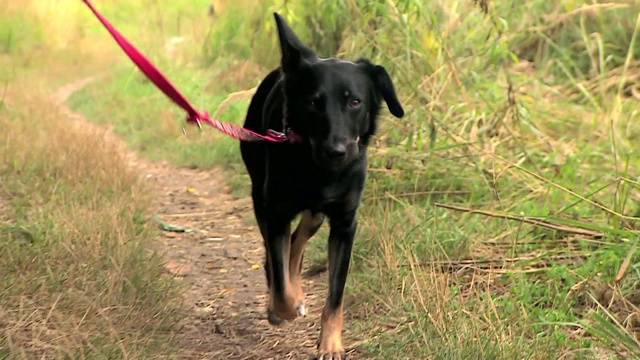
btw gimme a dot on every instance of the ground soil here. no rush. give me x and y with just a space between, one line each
221 264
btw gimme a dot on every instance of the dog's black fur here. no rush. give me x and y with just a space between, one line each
333 106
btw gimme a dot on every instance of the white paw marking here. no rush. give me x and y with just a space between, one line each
302 310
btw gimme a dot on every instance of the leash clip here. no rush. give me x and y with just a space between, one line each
285 135
291 136
281 136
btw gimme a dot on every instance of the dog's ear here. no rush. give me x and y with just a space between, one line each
385 87
293 52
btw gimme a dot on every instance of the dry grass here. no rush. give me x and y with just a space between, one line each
77 278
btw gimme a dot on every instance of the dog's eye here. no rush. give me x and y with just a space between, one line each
313 104
355 103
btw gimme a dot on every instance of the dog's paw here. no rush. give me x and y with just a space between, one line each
330 346
333 356
288 310
273 318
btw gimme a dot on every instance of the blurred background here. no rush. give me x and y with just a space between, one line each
500 220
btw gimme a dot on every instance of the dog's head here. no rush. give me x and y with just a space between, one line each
332 103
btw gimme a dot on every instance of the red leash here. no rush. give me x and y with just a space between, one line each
194 116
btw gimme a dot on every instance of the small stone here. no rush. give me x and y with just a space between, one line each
177 268
231 254
218 327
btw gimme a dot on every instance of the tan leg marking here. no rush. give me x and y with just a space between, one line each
330 347
306 229
286 308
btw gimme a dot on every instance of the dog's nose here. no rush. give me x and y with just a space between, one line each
336 151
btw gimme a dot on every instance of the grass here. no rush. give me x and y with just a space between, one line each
521 110
78 280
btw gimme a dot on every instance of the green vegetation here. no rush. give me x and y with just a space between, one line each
526 109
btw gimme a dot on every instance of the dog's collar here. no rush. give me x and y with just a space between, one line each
286 129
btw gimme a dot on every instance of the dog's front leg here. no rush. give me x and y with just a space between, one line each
340 244
308 226
282 299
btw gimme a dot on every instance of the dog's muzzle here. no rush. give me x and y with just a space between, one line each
337 154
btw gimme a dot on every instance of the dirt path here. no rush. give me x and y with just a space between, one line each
221 263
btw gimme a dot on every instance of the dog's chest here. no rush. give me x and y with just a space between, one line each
293 177
331 196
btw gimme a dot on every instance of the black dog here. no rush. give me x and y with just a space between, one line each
330 107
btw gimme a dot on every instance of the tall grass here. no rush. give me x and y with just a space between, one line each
517 113
514 108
